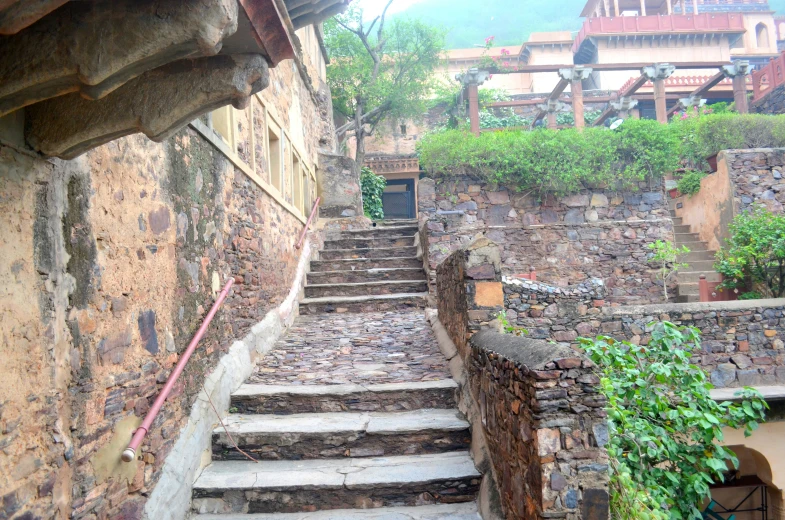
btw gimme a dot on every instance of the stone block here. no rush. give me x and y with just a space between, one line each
576 201
574 216
482 272
548 441
489 294
599 200
596 504
498 197
724 375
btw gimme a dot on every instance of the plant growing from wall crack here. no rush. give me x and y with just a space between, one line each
665 428
667 256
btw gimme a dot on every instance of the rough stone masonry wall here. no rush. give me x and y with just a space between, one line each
543 420
741 341
757 177
774 103
108 265
595 234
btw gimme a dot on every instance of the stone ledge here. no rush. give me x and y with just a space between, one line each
532 353
770 393
685 308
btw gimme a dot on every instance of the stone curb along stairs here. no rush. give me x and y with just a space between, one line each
393 451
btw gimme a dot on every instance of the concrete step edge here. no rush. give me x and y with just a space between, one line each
379 283
250 390
462 511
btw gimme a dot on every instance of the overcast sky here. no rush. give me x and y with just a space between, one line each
372 8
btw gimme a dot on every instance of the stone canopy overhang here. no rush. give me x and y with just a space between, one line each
88 72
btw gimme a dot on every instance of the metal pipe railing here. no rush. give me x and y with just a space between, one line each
308 224
130 452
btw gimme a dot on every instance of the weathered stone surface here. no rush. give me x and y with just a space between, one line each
289 486
157 103
15 15
489 294
340 180
72 51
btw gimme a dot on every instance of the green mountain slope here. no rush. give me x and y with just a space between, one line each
511 21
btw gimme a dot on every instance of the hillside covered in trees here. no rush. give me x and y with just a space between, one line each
511 21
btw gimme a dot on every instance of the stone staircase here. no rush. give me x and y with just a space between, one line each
367 270
700 259
353 414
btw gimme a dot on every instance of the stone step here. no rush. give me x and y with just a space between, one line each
368 243
396 222
318 266
692 298
697 256
683 238
284 486
365 275
677 221
366 288
461 511
694 247
298 399
379 252
688 289
381 232
701 265
679 228
335 435
694 276
359 304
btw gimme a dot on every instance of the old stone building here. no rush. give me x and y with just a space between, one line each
149 152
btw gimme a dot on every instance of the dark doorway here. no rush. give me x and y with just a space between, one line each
398 199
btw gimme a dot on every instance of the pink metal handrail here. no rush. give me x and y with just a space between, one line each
308 224
130 452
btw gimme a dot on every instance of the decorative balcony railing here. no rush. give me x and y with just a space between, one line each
665 24
768 77
724 6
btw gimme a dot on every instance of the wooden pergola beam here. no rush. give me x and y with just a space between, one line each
628 92
611 67
700 91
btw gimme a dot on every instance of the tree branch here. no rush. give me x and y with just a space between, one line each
367 117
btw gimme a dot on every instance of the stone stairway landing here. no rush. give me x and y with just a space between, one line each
352 414
700 260
367 270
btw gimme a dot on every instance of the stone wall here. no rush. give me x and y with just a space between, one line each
757 177
774 103
741 341
109 263
542 419
593 235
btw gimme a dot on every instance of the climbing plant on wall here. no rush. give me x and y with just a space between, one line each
665 429
372 188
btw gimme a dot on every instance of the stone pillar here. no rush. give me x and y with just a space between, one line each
692 101
576 76
694 7
551 108
472 80
643 7
670 6
624 106
658 73
339 186
738 72
616 7
635 113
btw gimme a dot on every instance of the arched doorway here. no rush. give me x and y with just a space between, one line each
762 35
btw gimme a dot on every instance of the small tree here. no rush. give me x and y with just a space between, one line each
755 252
667 256
372 188
664 426
379 71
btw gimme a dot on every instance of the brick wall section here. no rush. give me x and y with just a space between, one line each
757 176
568 240
544 420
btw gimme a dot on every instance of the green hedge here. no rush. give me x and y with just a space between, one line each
566 161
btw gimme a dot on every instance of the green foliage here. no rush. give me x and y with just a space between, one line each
372 188
755 252
665 429
380 71
703 136
751 295
690 182
508 328
667 256
560 162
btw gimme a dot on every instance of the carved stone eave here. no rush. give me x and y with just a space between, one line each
157 103
271 29
69 51
309 12
16 15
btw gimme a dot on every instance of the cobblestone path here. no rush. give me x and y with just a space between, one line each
376 347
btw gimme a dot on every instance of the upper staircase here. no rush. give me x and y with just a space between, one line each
368 270
700 259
